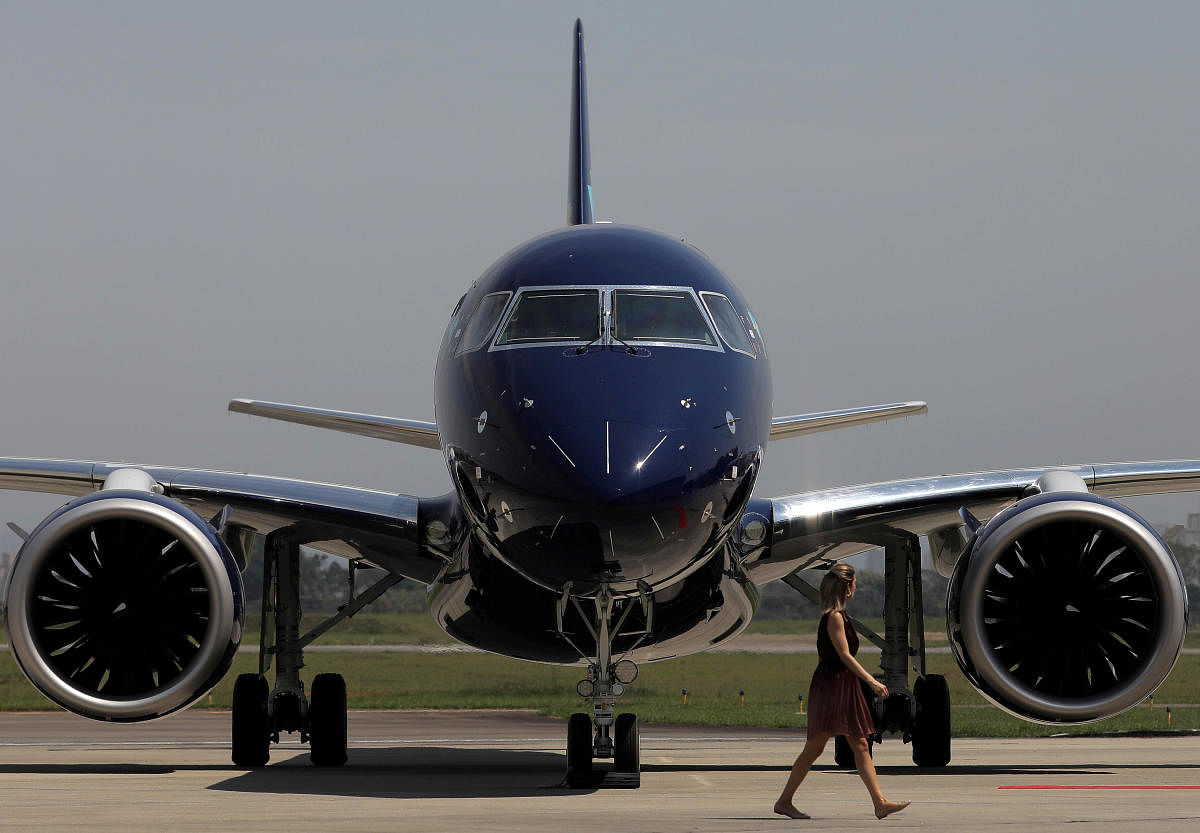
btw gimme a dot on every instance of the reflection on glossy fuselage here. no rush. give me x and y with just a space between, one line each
610 462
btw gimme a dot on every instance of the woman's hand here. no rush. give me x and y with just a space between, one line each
880 689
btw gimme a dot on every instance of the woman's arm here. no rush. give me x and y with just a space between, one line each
837 634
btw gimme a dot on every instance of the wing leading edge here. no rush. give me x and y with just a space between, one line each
832 524
795 426
380 527
408 431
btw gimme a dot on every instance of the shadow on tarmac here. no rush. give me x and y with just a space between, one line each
91 769
413 772
438 772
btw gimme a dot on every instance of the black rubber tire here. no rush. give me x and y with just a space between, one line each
579 745
251 723
627 747
327 720
843 755
931 723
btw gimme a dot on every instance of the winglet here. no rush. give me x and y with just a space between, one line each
579 176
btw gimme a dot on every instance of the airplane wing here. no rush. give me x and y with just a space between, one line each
795 426
380 527
831 524
410 431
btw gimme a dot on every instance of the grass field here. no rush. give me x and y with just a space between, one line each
420 629
772 684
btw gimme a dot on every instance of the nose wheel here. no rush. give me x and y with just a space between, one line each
579 750
624 746
627 749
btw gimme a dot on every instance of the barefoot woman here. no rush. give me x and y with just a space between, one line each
838 706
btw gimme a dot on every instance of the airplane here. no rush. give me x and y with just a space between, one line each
603 406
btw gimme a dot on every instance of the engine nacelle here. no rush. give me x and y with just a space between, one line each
1066 608
124 605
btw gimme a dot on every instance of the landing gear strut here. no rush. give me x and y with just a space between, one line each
262 713
921 714
614 736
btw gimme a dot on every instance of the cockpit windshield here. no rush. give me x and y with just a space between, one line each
583 316
553 315
659 315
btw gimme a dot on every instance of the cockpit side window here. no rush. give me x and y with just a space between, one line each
553 315
656 315
756 333
729 323
452 329
483 320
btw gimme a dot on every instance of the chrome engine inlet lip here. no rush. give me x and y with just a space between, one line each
161 701
1026 701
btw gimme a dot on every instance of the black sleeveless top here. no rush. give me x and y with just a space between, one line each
826 653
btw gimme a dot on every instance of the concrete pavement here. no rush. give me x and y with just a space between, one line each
459 771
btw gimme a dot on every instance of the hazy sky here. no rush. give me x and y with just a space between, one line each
992 207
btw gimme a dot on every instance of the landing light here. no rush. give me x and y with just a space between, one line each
585 688
625 671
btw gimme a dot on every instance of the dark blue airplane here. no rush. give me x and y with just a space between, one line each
603 403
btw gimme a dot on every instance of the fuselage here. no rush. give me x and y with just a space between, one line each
603 398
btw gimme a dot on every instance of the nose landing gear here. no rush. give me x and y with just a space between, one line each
604 734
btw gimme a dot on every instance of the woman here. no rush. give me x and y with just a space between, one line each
837 705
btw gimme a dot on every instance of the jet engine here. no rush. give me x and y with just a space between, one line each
1066 607
124 605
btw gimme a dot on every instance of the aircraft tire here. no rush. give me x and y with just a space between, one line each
327 720
931 725
579 747
627 752
251 723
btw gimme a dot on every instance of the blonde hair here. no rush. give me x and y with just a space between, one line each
834 587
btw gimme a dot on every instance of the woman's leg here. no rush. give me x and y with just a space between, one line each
866 771
813 747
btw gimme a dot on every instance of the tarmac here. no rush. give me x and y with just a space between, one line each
499 771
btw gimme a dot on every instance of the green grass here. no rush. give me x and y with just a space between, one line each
420 629
367 629
771 683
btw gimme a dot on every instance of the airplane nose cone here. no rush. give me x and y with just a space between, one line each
617 502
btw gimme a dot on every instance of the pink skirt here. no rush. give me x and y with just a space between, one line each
837 705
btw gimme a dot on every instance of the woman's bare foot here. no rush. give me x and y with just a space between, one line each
888 807
791 812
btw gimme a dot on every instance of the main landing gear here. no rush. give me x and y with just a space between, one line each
920 714
260 713
601 734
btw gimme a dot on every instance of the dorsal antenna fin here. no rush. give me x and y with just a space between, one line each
579 177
